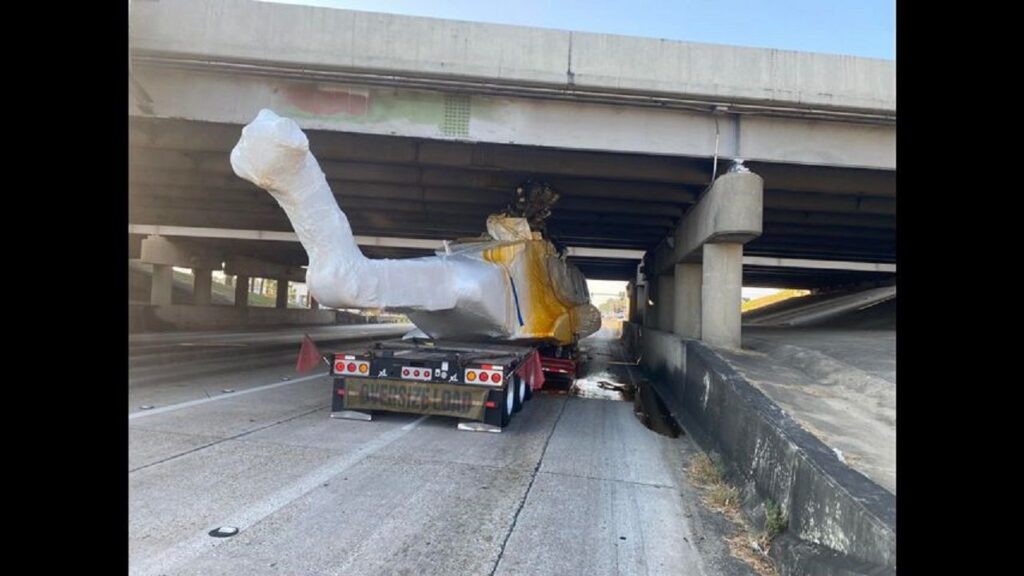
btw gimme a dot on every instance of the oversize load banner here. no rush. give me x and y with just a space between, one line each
414 397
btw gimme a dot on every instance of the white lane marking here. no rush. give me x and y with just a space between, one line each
236 394
170 558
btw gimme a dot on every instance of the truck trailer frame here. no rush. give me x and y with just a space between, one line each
483 384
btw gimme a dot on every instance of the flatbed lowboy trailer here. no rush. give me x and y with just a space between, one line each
484 384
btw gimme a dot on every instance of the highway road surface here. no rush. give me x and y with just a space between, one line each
231 436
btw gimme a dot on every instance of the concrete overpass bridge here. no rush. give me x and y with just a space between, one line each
425 126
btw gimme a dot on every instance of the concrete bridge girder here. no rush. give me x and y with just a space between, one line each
697 274
424 124
165 253
235 99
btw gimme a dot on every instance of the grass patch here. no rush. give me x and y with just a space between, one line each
707 470
724 497
775 520
708 473
752 553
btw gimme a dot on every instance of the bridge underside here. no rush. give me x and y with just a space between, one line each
404 187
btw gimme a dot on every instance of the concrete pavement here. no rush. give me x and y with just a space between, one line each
174 367
572 486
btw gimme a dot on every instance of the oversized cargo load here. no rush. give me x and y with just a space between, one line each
511 284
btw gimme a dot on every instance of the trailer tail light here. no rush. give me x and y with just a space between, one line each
486 374
490 404
349 366
416 373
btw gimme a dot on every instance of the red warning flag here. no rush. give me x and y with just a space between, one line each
309 355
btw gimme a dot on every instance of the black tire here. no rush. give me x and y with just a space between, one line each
520 392
529 392
508 405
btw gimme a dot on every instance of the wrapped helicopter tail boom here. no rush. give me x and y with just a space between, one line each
511 286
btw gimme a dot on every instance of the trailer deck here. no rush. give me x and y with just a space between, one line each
484 384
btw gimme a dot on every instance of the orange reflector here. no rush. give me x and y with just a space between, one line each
471 376
364 368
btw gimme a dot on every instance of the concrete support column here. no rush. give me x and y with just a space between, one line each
721 300
631 296
282 293
665 304
163 282
688 281
641 304
241 291
650 318
202 287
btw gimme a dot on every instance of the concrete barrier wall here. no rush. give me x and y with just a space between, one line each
840 522
143 317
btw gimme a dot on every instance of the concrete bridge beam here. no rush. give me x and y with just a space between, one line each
202 286
721 298
162 283
164 254
256 268
699 270
241 291
282 293
665 303
689 282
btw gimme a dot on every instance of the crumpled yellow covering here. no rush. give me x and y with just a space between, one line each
552 297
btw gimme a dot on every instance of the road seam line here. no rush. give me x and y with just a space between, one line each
169 559
533 476
219 440
191 403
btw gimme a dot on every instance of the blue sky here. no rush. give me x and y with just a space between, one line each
857 28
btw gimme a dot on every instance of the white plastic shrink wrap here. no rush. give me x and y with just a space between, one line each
513 287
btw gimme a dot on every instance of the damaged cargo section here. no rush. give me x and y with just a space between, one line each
511 284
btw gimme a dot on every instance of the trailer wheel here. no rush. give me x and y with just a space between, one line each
529 391
508 405
519 383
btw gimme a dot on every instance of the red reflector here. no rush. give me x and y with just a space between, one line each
416 373
341 391
351 367
490 404
405 371
339 367
496 377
